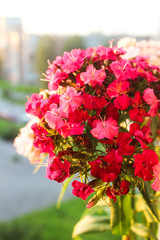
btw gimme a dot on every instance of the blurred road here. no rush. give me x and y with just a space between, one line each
21 190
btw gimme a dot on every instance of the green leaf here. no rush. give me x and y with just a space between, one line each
121 215
91 224
63 189
143 231
148 195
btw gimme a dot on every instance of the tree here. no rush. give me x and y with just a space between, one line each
45 50
73 42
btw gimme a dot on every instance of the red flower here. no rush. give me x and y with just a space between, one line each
41 140
117 88
122 190
93 102
144 163
57 170
122 102
107 167
141 134
138 112
81 190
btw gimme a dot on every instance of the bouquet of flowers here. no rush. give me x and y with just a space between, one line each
95 122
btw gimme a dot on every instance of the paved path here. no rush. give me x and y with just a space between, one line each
21 190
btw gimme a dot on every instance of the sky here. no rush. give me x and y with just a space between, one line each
133 17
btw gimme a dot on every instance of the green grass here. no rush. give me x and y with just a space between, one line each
8 129
50 224
6 85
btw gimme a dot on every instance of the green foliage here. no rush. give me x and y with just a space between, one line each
120 219
45 50
8 129
48 224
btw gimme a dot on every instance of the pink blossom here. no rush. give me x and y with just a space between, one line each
93 76
73 60
105 129
156 184
70 100
150 98
117 87
33 105
55 79
54 117
123 70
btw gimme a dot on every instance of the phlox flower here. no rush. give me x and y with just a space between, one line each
93 102
117 88
70 129
57 169
150 98
33 105
105 129
73 60
106 167
81 190
144 163
41 139
141 134
93 76
138 112
54 117
156 184
123 189
55 79
122 102
70 100
123 70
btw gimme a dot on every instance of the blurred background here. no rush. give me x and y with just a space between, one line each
31 32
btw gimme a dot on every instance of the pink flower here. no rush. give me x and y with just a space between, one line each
81 190
93 76
56 169
123 70
70 100
54 117
150 98
33 105
156 184
55 79
73 60
117 88
105 129
122 102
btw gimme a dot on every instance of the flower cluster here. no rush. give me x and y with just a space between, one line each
94 122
